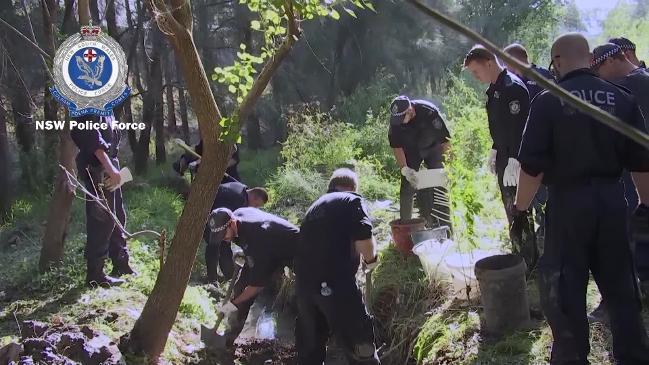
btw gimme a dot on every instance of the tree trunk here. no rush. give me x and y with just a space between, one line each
152 328
50 106
68 17
169 94
253 126
254 132
58 214
5 170
25 137
182 102
155 88
94 12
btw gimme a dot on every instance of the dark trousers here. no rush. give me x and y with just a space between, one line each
342 315
218 253
586 229
539 202
640 245
521 227
104 238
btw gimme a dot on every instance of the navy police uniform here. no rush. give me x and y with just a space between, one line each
586 222
232 195
421 140
269 243
507 109
533 87
232 170
104 238
326 263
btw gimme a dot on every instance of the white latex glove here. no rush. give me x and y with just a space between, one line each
227 309
510 177
491 162
410 175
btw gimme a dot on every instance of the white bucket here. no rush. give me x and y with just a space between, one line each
431 253
461 269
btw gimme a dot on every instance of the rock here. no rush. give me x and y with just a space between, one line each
72 345
88 332
10 352
34 329
34 346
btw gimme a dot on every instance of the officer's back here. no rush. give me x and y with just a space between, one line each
265 234
326 251
580 147
232 195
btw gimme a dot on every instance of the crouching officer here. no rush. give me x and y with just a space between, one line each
336 233
269 244
232 195
507 109
581 161
98 169
418 134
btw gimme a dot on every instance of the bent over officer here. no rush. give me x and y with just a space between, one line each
418 134
507 109
629 49
336 234
98 169
268 242
232 195
581 161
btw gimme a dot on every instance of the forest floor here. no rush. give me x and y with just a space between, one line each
425 326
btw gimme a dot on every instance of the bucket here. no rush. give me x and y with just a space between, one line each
401 230
460 268
431 253
503 291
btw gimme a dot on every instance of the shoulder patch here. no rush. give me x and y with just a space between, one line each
515 107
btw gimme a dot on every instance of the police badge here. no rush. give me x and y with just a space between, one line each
90 73
514 107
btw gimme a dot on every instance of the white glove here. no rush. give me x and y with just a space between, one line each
193 166
491 162
410 175
510 177
227 309
371 266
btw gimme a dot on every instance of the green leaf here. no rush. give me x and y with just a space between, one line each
242 46
232 89
350 12
255 24
334 14
370 6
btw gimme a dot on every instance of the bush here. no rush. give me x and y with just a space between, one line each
257 167
373 141
292 191
372 98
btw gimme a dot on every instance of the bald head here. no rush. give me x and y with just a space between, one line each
570 52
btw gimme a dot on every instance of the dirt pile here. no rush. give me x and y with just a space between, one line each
61 345
265 352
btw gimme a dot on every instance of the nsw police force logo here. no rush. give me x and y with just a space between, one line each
90 73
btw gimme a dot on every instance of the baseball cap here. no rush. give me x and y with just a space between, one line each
624 43
398 109
603 52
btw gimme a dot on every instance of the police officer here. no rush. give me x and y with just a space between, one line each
507 109
610 63
269 244
418 134
520 53
336 233
98 169
232 195
580 161
187 160
628 48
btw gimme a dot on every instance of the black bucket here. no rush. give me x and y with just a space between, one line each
503 291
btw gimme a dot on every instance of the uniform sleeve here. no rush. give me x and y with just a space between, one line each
88 140
517 110
445 135
637 157
362 224
395 138
536 145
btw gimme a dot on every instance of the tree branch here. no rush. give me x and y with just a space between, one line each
584 107
24 37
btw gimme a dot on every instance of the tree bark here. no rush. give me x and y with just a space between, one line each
60 207
50 106
5 171
169 94
21 107
152 328
68 17
94 12
155 88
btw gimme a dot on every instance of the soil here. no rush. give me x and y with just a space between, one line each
265 352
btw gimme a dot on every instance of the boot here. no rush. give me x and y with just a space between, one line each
121 267
95 275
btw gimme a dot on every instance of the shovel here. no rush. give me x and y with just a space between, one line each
209 336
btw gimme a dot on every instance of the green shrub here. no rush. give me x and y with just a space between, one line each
292 191
373 140
373 98
374 184
257 167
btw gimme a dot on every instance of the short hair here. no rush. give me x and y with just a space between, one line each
260 193
478 53
516 50
343 177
